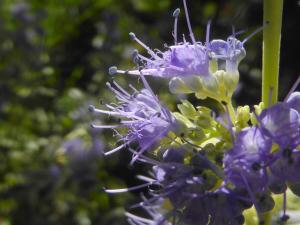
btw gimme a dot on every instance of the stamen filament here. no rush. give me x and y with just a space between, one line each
188 22
149 50
175 14
295 85
123 190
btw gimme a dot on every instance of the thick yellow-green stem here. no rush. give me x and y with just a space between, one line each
271 58
271 50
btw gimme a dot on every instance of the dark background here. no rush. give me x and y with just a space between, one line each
54 57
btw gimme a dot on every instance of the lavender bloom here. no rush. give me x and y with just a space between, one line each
244 164
282 124
142 114
232 51
181 59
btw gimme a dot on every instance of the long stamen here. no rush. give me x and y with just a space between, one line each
144 178
145 58
255 32
295 85
115 149
250 192
121 89
175 15
188 22
122 190
143 158
137 218
114 70
149 50
146 84
106 126
133 88
110 113
183 38
119 94
208 32
284 203
233 31
284 217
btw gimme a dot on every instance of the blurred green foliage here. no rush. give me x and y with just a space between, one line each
54 57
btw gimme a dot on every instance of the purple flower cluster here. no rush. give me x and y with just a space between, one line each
210 178
266 157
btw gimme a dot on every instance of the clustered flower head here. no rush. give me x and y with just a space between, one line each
205 169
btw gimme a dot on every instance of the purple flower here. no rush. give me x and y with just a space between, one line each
181 59
244 164
146 120
232 51
281 123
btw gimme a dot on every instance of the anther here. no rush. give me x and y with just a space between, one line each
284 218
135 53
112 70
176 12
135 56
132 36
91 108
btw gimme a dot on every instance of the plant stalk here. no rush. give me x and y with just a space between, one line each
273 10
271 50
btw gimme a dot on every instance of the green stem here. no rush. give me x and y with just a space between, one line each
271 58
231 112
271 50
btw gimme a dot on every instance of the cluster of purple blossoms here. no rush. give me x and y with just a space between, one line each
204 174
266 158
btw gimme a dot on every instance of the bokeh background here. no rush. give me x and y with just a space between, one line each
54 57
